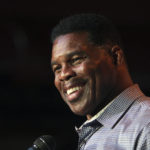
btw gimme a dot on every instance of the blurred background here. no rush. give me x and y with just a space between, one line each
30 106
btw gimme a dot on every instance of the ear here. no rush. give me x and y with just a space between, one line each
117 54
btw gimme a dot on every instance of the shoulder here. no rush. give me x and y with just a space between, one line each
138 116
143 139
140 110
145 101
142 106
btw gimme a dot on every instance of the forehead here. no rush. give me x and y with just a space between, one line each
69 43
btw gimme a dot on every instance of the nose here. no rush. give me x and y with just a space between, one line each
66 73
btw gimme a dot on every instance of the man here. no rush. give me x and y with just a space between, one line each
92 77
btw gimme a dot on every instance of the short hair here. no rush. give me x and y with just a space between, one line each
100 29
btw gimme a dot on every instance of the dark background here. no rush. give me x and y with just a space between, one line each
29 104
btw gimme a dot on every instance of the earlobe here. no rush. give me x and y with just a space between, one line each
117 55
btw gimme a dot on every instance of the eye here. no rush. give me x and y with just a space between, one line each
77 60
56 68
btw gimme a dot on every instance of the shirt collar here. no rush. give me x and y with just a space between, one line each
116 110
112 112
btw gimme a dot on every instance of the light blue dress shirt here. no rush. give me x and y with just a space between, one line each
124 124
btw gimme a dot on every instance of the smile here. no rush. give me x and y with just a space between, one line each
74 89
74 93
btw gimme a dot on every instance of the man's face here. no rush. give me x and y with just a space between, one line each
84 73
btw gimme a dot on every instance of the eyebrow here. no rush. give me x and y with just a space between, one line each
77 52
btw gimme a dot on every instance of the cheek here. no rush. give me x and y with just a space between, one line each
56 83
79 69
84 69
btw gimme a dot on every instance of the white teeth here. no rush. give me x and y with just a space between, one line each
73 90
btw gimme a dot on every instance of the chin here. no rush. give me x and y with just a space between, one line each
80 111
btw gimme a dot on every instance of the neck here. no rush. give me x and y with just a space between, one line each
123 81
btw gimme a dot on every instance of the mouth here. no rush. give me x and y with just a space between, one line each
74 93
74 90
